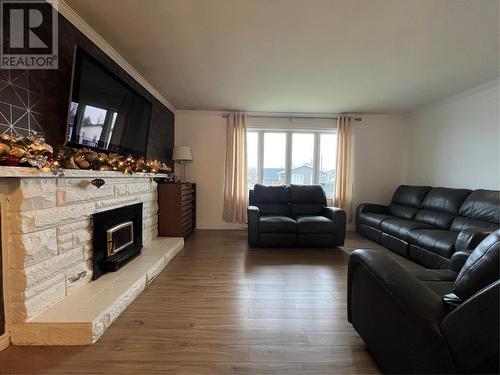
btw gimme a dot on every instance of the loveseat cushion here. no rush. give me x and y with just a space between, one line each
373 220
277 224
307 199
406 200
440 242
315 225
273 209
441 205
400 228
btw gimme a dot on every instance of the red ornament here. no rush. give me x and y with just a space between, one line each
12 160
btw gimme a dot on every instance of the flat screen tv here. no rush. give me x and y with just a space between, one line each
105 113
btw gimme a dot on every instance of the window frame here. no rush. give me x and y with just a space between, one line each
289 150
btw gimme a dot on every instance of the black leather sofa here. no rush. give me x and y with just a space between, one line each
293 215
431 321
429 224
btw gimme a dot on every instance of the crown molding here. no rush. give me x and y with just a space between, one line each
492 84
90 33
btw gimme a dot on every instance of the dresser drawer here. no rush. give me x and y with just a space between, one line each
177 204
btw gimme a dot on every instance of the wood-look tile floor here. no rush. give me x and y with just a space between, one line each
223 308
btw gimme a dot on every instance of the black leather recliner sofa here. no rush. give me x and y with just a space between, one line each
431 321
429 224
293 215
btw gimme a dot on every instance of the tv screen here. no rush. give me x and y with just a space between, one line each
105 113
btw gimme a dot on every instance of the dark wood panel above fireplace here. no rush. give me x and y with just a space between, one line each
48 92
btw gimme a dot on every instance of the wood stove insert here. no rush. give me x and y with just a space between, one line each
117 238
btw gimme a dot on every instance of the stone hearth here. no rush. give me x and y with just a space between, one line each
47 244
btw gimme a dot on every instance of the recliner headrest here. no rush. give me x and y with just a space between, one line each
271 194
481 268
412 196
307 194
482 205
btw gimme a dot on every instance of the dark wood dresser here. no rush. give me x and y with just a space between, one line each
177 209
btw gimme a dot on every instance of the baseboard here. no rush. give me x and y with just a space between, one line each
227 226
4 341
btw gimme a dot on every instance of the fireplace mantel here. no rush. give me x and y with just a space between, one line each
46 237
25 172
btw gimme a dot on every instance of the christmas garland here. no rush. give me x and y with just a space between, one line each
32 151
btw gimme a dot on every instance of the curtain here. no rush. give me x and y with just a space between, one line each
235 185
343 179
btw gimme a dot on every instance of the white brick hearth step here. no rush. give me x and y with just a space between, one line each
82 317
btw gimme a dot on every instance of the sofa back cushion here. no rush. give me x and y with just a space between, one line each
481 211
481 268
307 199
441 206
406 200
272 200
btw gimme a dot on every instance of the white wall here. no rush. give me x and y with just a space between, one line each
379 160
456 142
205 132
380 157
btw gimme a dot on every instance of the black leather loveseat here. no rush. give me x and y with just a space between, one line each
428 321
291 215
429 224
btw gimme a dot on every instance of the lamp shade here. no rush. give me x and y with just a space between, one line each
182 153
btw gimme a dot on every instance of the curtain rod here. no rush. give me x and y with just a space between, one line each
293 116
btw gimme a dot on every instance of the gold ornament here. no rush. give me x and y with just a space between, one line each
17 152
70 163
4 149
81 162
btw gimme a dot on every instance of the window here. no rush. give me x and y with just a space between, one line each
302 158
273 172
252 155
298 157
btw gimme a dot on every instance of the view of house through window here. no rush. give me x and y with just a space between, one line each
297 157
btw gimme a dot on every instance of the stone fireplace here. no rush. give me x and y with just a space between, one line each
49 251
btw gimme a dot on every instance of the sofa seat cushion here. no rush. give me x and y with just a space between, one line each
400 228
315 225
441 242
277 224
374 220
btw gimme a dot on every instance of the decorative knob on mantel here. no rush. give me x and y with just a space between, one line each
98 182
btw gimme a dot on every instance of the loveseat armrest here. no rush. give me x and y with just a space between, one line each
338 216
371 208
253 215
468 239
397 316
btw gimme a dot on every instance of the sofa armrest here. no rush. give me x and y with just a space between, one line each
397 316
472 332
458 260
253 215
338 216
372 208
405 291
468 239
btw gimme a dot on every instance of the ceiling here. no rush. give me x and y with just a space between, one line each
366 56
